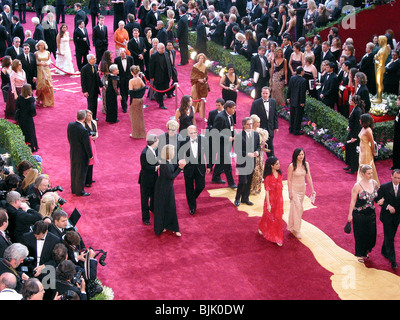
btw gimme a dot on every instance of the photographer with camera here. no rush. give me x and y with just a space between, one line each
40 244
20 216
68 279
13 257
8 283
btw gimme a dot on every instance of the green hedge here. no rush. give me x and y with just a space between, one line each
13 141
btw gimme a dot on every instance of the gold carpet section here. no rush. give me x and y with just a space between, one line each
351 279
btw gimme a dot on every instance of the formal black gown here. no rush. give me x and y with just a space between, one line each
164 199
112 99
229 94
186 120
26 112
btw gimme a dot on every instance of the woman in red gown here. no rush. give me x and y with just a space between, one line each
271 223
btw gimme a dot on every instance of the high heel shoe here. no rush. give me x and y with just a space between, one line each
178 234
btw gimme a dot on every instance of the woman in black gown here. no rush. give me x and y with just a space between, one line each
185 113
25 105
112 95
165 217
91 127
230 85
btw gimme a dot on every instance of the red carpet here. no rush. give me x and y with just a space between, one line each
220 254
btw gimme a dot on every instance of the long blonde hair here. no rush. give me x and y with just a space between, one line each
30 178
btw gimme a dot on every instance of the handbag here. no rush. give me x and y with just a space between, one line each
347 227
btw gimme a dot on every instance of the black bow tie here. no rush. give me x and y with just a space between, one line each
193 141
265 101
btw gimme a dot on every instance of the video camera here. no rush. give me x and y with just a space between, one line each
3 168
60 201
27 266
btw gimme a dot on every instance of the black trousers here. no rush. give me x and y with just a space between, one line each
243 188
123 90
92 104
89 175
160 95
389 231
78 177
81 60
296 116
99 53
184 50
194 185
352 155
147 201
22 12
60 12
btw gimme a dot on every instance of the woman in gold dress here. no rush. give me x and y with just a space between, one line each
298 172
137 89
198 79
279 76
44 86
367 146
257 180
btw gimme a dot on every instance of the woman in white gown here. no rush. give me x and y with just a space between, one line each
64 56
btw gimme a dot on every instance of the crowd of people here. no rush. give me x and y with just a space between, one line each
271 36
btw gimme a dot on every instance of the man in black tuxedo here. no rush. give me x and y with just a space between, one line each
17 29
80 153
6 22
132 24
392 75
229 35
287 50
210 125
296 98
247 147
5 240
330 88
366 65
256 11
326 53
352 140
124 63
100 39
130 8
390 215
137 48
22 10
38 5
162 32
91 83
218 34
30 41
40 243
265 109
160 73
224 131
148 176
60 11
38 34
82 44
28 61
94 9
152 17
58 226
182 35
259 71
80 15
300 8
169 49
196 154
360 82
201 40
3 38
15 49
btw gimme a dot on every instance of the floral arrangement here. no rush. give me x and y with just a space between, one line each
106 294
388 107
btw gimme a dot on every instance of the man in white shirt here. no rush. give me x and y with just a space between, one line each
8 283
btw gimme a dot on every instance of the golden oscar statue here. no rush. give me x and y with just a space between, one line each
380 59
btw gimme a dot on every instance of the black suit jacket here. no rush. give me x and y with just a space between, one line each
244 145
136 49
211 118
4 244
354 123
38 34
328 56
47 252
100 38
80 149
130 7
151 22
148 162
80 15
23 222
182 30
81 46
256 66
124 75
30 67
363 92
218 35
330 90
3 40
173 68
270 123
297 90
162 36
201 160
10 51
386 191
32 44
318 57
90 81
18 31
391 77
201 40
158 66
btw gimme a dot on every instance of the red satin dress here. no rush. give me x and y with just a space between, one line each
271 223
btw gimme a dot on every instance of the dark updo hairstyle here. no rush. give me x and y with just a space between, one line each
268 166
358 102
367 121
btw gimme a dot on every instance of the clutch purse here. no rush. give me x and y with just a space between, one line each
312 197
347 227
